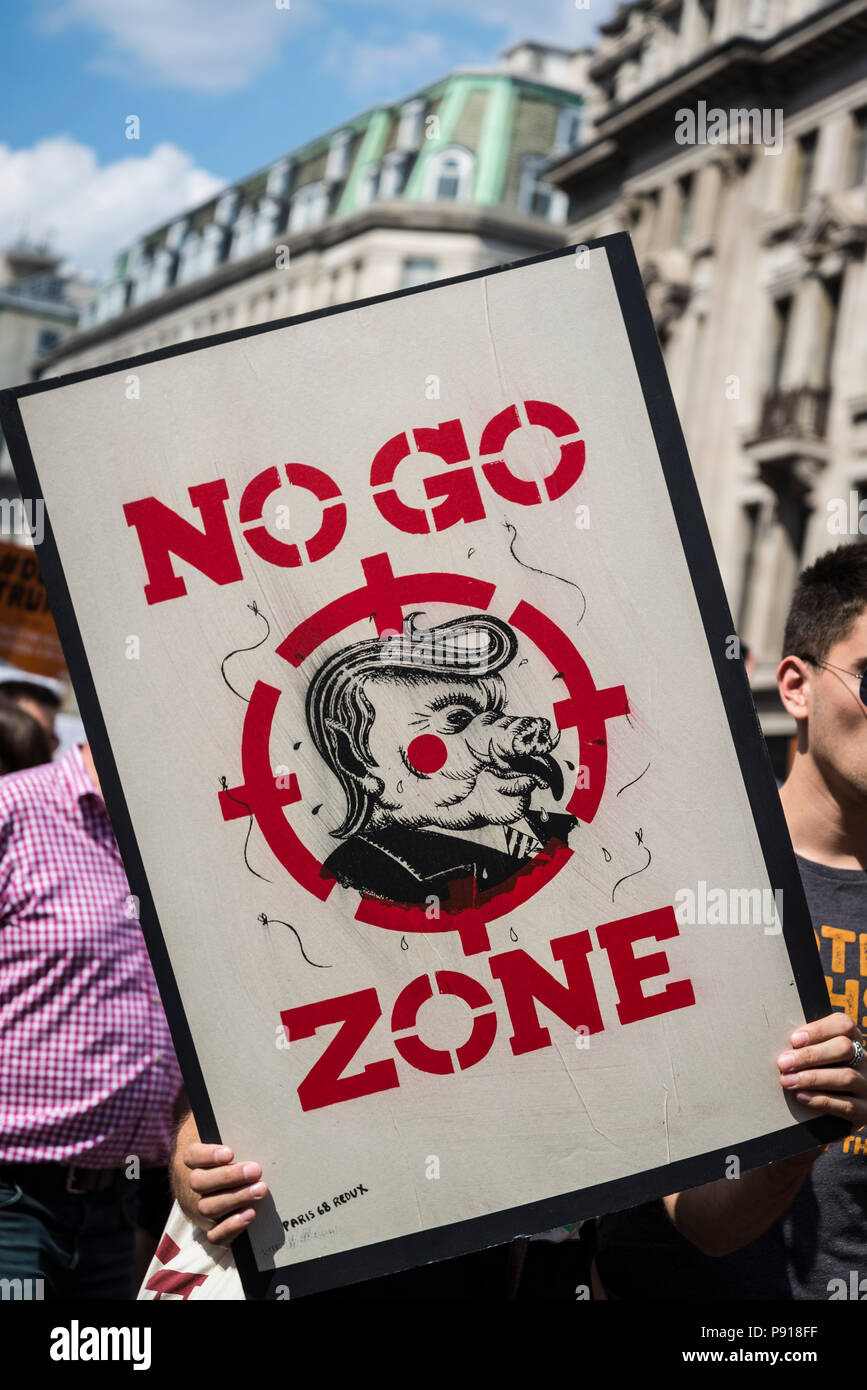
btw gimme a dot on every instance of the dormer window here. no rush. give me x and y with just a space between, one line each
267 216
309 207
411 127
212 249
244 234
227 208
278 179
450 175
393 174
568 128
176 233
338 156
188 267
538 198
160 271
368 189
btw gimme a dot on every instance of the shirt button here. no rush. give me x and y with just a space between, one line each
155 998
158 1056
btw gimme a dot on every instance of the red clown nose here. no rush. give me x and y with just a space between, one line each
427 753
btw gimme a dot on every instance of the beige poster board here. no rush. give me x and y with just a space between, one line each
412 686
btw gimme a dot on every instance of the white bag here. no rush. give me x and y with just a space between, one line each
187 1266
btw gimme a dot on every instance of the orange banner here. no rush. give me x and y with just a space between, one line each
28 637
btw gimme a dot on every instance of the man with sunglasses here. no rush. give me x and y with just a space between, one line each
794 1229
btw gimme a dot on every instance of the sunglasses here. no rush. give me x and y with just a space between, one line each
860 676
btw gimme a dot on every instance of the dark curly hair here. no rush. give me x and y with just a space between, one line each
830 596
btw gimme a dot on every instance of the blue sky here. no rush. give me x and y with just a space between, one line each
220 87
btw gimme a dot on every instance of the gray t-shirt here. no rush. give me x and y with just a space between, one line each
818 1249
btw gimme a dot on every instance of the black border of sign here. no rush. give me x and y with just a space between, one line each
458 1238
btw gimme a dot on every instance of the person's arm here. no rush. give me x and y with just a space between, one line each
214 1192
726 1215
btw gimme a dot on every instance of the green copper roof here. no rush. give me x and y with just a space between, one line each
501 118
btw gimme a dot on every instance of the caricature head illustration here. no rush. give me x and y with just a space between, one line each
415 728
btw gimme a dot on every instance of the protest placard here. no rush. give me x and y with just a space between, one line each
421 718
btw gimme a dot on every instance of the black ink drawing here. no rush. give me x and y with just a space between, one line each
225 787
437 777
513 534
639 835
276 921
254 609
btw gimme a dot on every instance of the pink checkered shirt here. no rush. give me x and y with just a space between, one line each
88 1075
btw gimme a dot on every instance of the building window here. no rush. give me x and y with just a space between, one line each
393 174
418 270
244 234
805 163
409 131
568 129
162 266
309 207
791 513
47 341
672 21
538 198
176 233
684 209
779 337
751 524
213 248
649 220
188 268
368 188
338 156
450 175
226 208
826 338
708 10
267 221
858 170
277 183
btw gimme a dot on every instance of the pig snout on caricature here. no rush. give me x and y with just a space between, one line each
519 748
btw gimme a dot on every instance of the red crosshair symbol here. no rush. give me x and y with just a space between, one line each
383 597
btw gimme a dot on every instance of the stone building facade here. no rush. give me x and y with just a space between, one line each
39 306
730 139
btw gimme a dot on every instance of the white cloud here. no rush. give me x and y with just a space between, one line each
558 22
57 190
223 45
364 64
202 45
381 56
